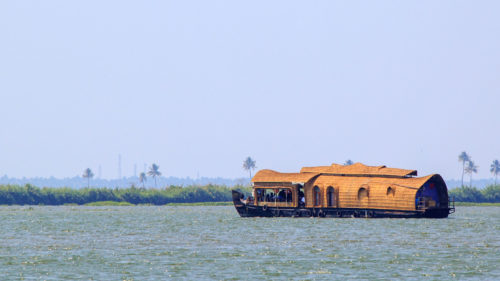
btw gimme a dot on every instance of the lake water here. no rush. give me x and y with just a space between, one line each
214 243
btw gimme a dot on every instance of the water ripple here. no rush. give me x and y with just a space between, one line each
151 243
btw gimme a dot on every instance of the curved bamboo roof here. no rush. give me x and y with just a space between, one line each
359 169
404 183
273 176
387 188
402 196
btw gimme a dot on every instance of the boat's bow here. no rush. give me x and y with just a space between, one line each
237 196
239 203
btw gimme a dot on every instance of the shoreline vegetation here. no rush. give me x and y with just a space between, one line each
465 194
172 195
472 204
208 195
114 203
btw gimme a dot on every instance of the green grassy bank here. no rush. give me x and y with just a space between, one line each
460 204
114 203
172 195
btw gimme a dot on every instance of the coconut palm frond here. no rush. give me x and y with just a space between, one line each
248 165
463 157
154 171
87 173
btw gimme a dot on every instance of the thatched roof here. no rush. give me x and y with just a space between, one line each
387 188
273 176
359 169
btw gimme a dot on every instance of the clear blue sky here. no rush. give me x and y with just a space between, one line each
196 86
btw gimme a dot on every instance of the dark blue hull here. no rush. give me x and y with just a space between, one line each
249 210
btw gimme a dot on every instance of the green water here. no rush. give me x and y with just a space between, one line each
159 243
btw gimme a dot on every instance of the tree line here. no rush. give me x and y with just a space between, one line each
32 195
490 194
154 171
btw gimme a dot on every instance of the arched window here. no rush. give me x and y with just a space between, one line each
330 196
317 196
362 193
391 191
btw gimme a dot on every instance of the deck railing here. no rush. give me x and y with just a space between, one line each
422 204
276 203
451 204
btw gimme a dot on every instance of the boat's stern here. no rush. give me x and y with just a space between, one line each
432 199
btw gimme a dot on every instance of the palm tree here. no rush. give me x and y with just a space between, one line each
348 162
154 172
464 158
248 165
470 169
495 169
142 178
87 173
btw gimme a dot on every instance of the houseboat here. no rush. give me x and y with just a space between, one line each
354 190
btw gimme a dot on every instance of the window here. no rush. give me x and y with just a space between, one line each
330 196
317 196
276 194
362 193
391 191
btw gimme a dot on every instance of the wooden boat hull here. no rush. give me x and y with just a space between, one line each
250 210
